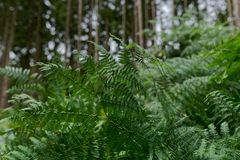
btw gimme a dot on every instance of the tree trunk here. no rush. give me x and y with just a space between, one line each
73 63
230 11
37 56
5 38
67 30
145 22
96 40
140 22
174 8
152 15
124 21
107 30
185 6
136 21
79 25
25 58
236 12
161 17
90 26
8 48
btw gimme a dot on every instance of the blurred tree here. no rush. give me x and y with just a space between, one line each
230 11
37 55
46 29
90 28
96 40
67 30
80 3
9 31
236 12
124 21
138 15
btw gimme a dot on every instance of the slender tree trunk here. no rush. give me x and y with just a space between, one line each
67 30
107 30
140 22
152 15
185 5
136 26
174 8
161 17
9 44
145 22
230 11
3 15
80 4
25 59
236 12
96 56
131 21
37 56
90 26
73 63
5 39
124 21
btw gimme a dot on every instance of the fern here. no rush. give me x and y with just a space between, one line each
223 108
18 74
22 80
134 106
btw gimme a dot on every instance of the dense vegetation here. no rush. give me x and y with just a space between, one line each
132 105
166 86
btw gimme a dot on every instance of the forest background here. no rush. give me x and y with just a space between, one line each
120 79
38 31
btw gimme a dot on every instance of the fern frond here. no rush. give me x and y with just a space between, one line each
223 108
27 88
17 74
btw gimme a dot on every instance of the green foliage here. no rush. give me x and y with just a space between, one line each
135 106
193 36
227 59
22 80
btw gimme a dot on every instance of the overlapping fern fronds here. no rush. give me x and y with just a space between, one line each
130 107
22 80
93 108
